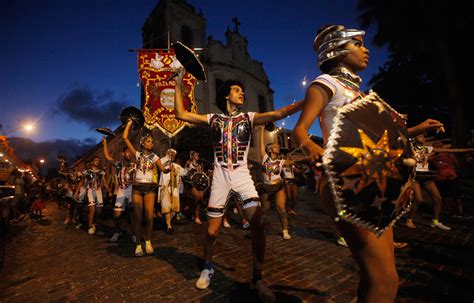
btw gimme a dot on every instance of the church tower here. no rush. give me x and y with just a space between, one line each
175 18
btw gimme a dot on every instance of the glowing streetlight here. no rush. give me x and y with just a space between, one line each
304 82
42 161
1 154
25 126
28 127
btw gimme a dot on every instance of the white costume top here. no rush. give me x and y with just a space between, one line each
165 179
288 172
231 136
124 173
93 178
272 169
146 170
422 153
342 95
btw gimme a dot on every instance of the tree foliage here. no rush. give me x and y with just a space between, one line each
425 75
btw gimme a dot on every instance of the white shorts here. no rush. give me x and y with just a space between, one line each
95 197
231 185
82 194
124 198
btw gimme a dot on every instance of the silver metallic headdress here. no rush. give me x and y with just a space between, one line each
328 43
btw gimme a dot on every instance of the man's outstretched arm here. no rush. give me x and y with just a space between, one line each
262 118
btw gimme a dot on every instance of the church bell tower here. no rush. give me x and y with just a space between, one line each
174 20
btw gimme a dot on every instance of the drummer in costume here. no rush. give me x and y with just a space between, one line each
144 188
273 183
341 54
94 179
168 191
193 166
123 174
425 178
231 135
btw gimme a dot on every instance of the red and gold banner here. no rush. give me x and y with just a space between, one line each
154 67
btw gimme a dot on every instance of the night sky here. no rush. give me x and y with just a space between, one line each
66 65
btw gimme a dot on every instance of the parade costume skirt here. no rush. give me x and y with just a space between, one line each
272 189
425 177
145 188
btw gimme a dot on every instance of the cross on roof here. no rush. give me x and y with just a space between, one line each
237 23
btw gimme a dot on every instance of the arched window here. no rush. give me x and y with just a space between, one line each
186 35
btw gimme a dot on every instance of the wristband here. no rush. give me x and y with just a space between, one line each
304 143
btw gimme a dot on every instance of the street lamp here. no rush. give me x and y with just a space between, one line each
304 82
28 127
41 163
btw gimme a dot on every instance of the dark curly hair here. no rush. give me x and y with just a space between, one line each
92 159
221 100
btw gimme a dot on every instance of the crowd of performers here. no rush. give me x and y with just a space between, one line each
138 183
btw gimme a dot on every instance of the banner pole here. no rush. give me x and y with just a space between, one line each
132 50
169 38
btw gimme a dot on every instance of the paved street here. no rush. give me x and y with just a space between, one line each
49 262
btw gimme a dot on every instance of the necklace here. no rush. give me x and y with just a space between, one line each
349 81
347 77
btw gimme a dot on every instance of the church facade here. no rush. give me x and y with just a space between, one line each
177 20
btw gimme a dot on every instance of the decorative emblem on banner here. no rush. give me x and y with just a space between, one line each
154 67
367 161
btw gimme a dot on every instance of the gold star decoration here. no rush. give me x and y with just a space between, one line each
349 183
375 162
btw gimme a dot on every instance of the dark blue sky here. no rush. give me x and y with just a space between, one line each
60 58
